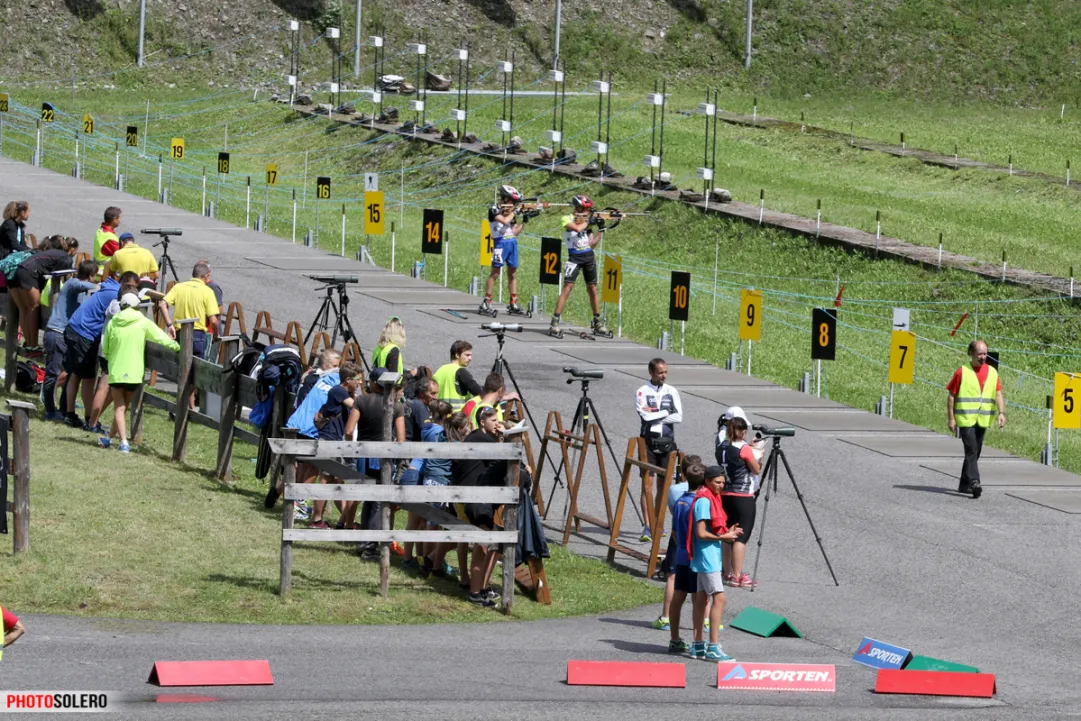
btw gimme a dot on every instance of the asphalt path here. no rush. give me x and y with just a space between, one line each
991 583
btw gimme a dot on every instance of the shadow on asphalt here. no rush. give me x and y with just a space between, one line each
933 489
633 647
627 622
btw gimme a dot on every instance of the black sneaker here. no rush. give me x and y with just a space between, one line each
481 600
271 497
73 420
977 490
491 593
964 488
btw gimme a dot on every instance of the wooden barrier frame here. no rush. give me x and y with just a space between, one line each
454 531
655 514
19 463
234 314
590 438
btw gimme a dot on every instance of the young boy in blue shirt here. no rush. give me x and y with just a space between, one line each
684 580
709 531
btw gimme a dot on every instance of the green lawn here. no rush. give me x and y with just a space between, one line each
142 537
980 214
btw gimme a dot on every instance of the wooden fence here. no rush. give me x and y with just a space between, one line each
19 464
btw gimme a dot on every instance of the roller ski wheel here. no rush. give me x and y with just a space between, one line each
599 330
555 331
514 309
486 308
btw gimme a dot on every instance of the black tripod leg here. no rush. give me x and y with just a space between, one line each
811 523
769 473
343 321
499 367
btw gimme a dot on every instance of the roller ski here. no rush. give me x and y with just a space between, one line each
515 309
554 330
486 308
599 329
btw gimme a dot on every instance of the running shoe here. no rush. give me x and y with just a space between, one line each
678 645
97 428
320 525
125 447
698 649
301 512
731 580
396 549
745 581
481 600
646 536
715 653
105 442
411 564
661 623
977 490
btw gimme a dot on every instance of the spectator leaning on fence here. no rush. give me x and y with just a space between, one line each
436 472
81 339
131 256
30 279
129 283
330 420
63 306
194 299
125 347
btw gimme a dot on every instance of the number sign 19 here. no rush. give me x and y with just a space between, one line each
679 302
551 257
824 334
431 232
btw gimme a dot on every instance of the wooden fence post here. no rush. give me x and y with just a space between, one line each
289 476
510 523
137 406
230 410
185 389
20 451
389 394
11 344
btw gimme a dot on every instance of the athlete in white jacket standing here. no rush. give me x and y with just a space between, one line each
660 408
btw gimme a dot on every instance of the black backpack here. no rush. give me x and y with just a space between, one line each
279 364
29 377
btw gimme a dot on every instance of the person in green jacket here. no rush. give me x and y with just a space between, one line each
124 344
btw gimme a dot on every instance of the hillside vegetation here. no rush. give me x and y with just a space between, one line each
1010 51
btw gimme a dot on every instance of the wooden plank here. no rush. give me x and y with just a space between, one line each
230 411
20 445
158 358
337 469
184 391
207 375
157 401
483 538
285 579
374 449
243 434
438 517
402 494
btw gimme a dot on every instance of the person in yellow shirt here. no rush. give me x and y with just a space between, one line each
133 257
194 299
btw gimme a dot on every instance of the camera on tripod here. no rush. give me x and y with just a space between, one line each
588 374
335 279
767 431
503 327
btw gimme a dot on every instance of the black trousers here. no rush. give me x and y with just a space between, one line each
972 438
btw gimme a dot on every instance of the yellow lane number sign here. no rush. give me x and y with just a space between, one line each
902 357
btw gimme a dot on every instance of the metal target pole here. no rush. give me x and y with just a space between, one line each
608 126
468 57
504 115
562 106
664 103
653 136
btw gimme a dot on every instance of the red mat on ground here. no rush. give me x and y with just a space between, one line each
211 673
935 683
626 673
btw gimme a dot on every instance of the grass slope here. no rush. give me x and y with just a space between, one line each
142 537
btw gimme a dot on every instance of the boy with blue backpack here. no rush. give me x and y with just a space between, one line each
685 581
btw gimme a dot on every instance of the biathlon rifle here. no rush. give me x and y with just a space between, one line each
528 204
612 217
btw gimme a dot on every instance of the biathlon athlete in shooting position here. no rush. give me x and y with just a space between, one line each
581 240
505 230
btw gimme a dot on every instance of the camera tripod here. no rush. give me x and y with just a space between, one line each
166 263
769 482
584 414
341 325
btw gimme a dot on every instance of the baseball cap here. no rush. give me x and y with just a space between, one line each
376 374
130 300
126 236
735 412
714 472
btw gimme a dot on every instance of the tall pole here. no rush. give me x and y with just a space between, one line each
559 12
747 55
142 29
356 39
